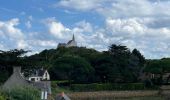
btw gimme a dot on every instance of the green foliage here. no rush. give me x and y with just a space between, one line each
154 66
108 86
8 59
3 96
26 93
3 76
158 66
12 57
72 68
80 64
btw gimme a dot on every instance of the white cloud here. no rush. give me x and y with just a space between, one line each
43 43
12 36
8 28
136 34
28 24
125 27
120 8
57 28
21 44
82 5
84 26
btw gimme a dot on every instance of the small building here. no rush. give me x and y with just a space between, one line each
17 80
62 96
71 43
40 75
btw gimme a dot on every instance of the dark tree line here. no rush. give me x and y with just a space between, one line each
80 64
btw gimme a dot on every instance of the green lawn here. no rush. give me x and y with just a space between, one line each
143 98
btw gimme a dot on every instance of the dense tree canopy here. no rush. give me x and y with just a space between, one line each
72 68
80 64
8 59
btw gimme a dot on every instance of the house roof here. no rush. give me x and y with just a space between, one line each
38 73
16 80
61 44
41 72
70 41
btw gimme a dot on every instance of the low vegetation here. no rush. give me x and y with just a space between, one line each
110 87
25 93
116 95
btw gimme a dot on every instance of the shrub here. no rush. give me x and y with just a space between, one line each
25 93
2 96
108 87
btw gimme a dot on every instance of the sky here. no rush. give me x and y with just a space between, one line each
41 24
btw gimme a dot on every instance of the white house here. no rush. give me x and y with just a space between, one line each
40 76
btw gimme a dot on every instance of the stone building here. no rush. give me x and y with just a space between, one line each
17 80
71 43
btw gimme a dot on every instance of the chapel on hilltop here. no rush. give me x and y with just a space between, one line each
71 43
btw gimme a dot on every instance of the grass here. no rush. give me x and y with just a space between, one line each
20 93
106 95
143 98
116 95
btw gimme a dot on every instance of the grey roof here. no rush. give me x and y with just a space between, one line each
16 80
61 44
38 73
70 41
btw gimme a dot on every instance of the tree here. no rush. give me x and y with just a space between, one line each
140 57
8 59
72 68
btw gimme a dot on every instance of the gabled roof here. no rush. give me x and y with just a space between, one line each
61 44
38 73
41 72
15 80
70 41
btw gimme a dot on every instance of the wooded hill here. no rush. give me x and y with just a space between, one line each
80 65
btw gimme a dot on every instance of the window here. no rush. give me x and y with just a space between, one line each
32 79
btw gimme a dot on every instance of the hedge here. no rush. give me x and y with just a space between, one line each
109 87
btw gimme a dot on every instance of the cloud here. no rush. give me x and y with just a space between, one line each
28 24
120 8
8 29
56 28
84 26
135 33
43 43
141 24
82 5
11 35
21 44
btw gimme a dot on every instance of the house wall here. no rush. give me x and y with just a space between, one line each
72 44
46 76
35 79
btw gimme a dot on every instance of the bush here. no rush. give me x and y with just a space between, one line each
2 96
108 87
25 93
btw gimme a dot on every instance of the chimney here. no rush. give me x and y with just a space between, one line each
16 69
